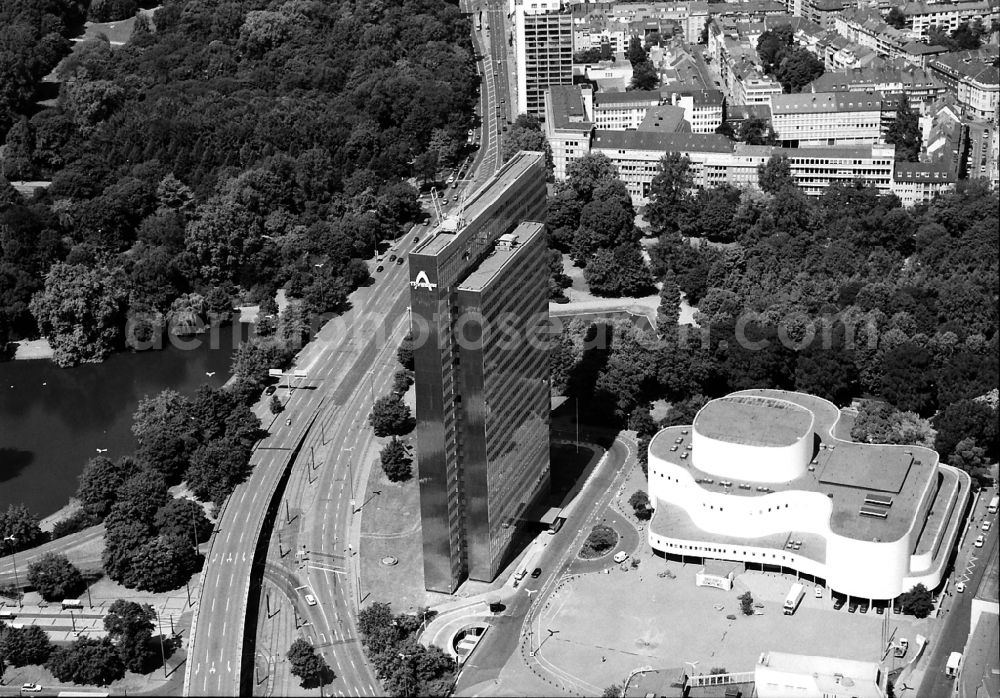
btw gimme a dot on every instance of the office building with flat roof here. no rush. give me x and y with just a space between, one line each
543 42
759 478
479 299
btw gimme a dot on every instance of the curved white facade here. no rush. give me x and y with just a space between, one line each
777 461
710 519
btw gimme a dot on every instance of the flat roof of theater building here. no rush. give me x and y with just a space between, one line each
751 420
847 472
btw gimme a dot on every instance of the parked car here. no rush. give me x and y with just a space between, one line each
536 573
310 599
31 688
819 592
269 390
852 607
986 525
979 541
897 607
838 604
879 609
863 607
960 587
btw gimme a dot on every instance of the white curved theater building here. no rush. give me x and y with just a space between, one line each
760 478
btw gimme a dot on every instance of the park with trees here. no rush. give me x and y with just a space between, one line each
223 152
404 666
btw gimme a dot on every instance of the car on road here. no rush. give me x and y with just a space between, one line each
400 260
960 587
31 688
979 541
392 258
853 607
620 556
819 592
379 268
269 390
986 525
536 573
310 599
416 239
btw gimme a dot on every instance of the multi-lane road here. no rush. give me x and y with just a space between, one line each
330 406
335 362
957 608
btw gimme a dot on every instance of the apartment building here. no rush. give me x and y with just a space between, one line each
921 87
917 182
568 124
703 109
749 85
921 16
543 37
828 118
974 77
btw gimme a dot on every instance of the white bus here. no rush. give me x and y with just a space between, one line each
795 595
993 505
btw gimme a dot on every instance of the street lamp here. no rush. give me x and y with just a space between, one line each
13 560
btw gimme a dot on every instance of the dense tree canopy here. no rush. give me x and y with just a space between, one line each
55 577
904 132
87 661
792 65
421 671
234 150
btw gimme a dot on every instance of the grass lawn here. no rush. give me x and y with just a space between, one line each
117 32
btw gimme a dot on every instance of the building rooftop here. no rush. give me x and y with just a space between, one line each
831 674
940 171
506 249
980 665
666 119
852 78
611 99
933 8
849 473
477 203
565 109
752 420
665 142
810 102
817 152
976 65
741 112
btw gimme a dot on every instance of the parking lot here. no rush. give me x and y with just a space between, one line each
662 622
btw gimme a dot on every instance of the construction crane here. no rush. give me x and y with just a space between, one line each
436 203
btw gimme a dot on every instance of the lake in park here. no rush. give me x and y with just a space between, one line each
53 419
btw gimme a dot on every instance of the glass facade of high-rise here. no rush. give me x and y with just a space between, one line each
453 492
503 307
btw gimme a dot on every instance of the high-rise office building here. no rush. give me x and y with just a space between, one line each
543 36
479 304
